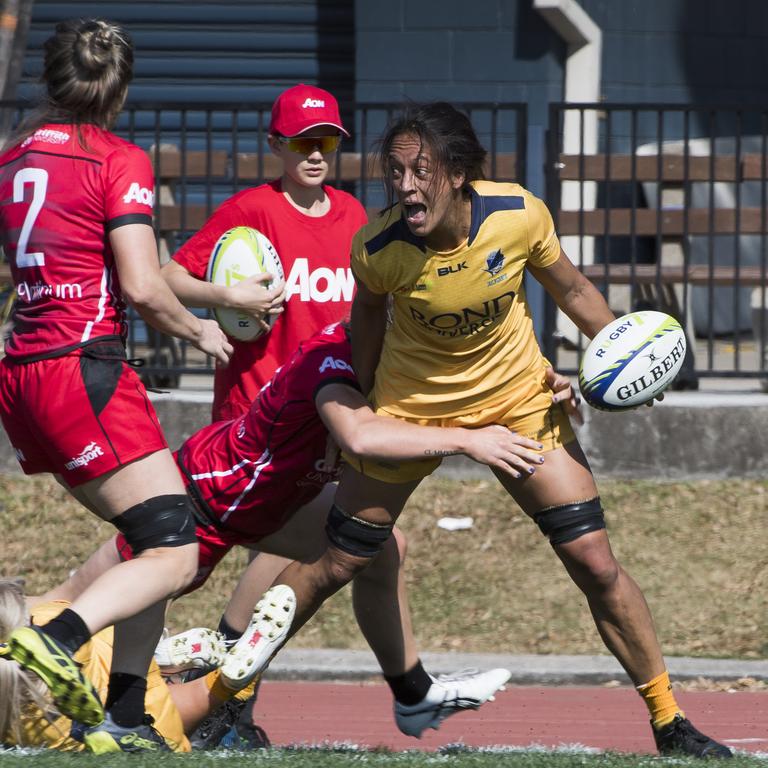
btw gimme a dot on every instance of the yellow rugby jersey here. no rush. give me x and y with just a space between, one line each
46 730
462 337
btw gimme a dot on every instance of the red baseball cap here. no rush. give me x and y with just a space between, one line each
303 107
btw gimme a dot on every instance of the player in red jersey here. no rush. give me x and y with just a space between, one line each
76 221
311 225
251 479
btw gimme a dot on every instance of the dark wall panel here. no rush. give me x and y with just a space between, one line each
233 51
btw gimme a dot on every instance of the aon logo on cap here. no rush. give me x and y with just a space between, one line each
309 102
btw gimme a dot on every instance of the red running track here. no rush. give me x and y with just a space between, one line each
313 713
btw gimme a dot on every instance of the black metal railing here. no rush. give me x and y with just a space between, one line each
203 153
661 205
664 205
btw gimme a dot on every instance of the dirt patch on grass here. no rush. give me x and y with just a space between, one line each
696 549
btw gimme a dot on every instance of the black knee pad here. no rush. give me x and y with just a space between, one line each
162 521
355 536
568 522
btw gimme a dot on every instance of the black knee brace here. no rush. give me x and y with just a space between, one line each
355 536
569 521
162 521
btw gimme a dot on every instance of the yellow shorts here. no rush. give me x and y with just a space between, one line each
549 425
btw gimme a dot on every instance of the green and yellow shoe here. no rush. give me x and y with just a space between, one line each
72 692
108 736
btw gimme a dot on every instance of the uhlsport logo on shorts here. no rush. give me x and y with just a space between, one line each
87 455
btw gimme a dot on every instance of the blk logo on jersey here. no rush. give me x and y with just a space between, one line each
468 320
451 269
87 455
139 194
321 284
335 364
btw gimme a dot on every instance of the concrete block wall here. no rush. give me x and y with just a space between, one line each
697 435
700 51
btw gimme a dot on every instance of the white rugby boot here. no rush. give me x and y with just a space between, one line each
266 633
198 648
448 695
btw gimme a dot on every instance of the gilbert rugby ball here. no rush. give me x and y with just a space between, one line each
242 252
631 360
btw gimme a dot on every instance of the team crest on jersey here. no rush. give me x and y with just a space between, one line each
494 263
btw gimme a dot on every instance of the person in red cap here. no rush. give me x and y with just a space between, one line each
311 225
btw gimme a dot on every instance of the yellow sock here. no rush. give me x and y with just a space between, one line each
658 697
218 688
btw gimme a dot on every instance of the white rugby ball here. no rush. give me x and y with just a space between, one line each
242 252
631 360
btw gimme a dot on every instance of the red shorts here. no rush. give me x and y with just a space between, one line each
77 416
213 546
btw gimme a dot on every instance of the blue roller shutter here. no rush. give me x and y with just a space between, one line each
235 51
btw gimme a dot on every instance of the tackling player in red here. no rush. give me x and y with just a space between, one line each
251 479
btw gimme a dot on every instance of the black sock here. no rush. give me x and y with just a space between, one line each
410 687
68 629
229 633
125 698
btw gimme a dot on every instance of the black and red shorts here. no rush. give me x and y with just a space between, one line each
80 415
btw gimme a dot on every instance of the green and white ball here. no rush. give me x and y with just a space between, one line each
632 360
240 253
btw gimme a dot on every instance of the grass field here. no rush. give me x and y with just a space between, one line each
351 759
697 549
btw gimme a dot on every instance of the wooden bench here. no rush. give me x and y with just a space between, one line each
668 224
667 171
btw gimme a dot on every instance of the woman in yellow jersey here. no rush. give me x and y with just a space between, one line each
450 256
28 719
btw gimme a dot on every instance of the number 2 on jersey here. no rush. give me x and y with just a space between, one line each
38 178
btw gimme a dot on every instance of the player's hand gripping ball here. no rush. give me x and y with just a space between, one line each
242 252
631 361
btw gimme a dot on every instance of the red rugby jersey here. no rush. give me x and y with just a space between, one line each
314 252
59 198
256 471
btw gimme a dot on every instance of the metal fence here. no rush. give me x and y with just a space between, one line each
664 206
660 205
204 153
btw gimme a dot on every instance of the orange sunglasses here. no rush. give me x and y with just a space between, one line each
306 145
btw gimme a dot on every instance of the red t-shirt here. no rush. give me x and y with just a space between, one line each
254 472
59 199
314 252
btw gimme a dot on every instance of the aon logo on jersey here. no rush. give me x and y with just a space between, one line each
321 284
335 364
137 194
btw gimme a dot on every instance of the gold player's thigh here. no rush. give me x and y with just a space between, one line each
372 500
563 478
302 537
